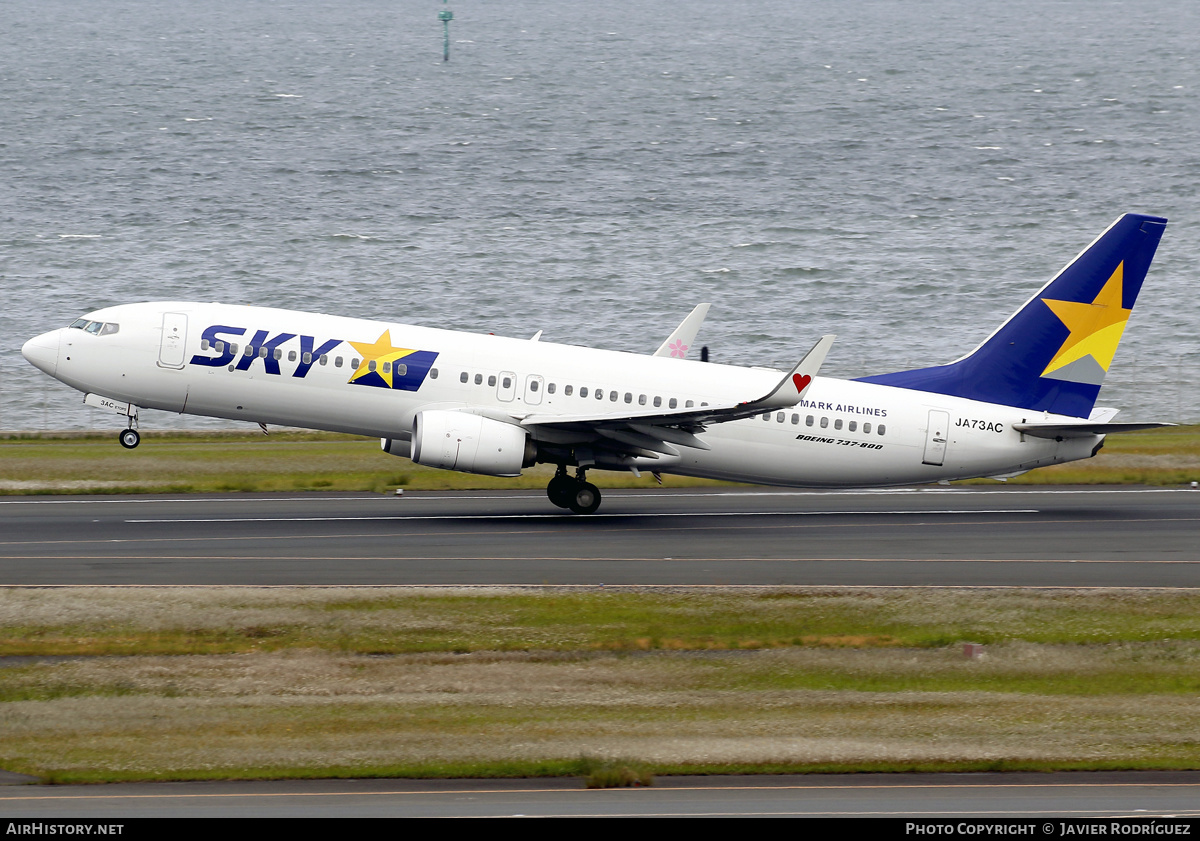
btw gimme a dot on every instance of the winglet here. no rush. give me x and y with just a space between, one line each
792 387
678 342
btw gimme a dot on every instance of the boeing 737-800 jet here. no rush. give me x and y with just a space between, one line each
1024 398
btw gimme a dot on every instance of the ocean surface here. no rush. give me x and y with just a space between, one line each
903 174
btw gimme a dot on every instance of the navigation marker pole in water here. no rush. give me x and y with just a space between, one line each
445 16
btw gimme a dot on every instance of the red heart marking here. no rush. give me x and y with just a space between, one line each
801 381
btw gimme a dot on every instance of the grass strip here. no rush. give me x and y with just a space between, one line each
488 682
303 461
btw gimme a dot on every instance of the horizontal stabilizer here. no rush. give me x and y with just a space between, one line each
1081 430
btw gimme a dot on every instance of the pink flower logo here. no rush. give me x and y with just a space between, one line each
678 349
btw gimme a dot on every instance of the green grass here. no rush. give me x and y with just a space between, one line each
218 683
292 461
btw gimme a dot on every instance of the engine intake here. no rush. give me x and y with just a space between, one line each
470 443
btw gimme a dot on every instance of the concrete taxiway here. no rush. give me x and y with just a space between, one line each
981 537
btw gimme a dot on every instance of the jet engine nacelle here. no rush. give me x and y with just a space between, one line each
470 443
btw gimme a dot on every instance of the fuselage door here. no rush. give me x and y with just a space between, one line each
174 340
533 389
506 388
936 437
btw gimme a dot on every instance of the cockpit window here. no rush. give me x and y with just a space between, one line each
96 328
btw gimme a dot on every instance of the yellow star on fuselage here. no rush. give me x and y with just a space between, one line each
379 352
1096 328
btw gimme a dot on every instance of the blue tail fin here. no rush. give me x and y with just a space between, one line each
1052 354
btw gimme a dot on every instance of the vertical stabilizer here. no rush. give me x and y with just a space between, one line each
1052 354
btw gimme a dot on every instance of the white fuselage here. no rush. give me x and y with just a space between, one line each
842 434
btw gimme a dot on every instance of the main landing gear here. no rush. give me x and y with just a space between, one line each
573 492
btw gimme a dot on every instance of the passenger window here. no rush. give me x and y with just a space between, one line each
233 348
219 347
657 401
387 367
837 424
399 369
866 427
628 397
533 385
600 394
641 400
278 354
204 344
824 423
337 362
433 372
853 425
672 403
249 351
491 379
371 366
583 391
767 416
567 391
808 421
882 429
291 356
795 420
354 363
612 396
506 382
463 377
262 351
689 404
324 358
306 358
479 379
550 388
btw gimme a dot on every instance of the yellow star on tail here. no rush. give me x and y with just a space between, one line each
379 352
1096 328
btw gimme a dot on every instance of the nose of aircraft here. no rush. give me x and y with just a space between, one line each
42 351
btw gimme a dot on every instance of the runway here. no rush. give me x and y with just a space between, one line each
941 536
1141 796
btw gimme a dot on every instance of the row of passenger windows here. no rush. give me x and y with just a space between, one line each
506 382
399 368
809 420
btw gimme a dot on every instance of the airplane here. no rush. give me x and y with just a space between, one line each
1024 398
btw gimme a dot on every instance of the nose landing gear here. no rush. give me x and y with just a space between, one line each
575 493
129 438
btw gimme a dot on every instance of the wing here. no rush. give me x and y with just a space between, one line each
655 432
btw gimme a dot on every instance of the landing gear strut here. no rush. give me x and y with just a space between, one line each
575 493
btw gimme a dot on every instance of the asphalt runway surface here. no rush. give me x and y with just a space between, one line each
940 536
1153 798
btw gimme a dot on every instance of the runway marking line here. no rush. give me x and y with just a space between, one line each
608 558
590 517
